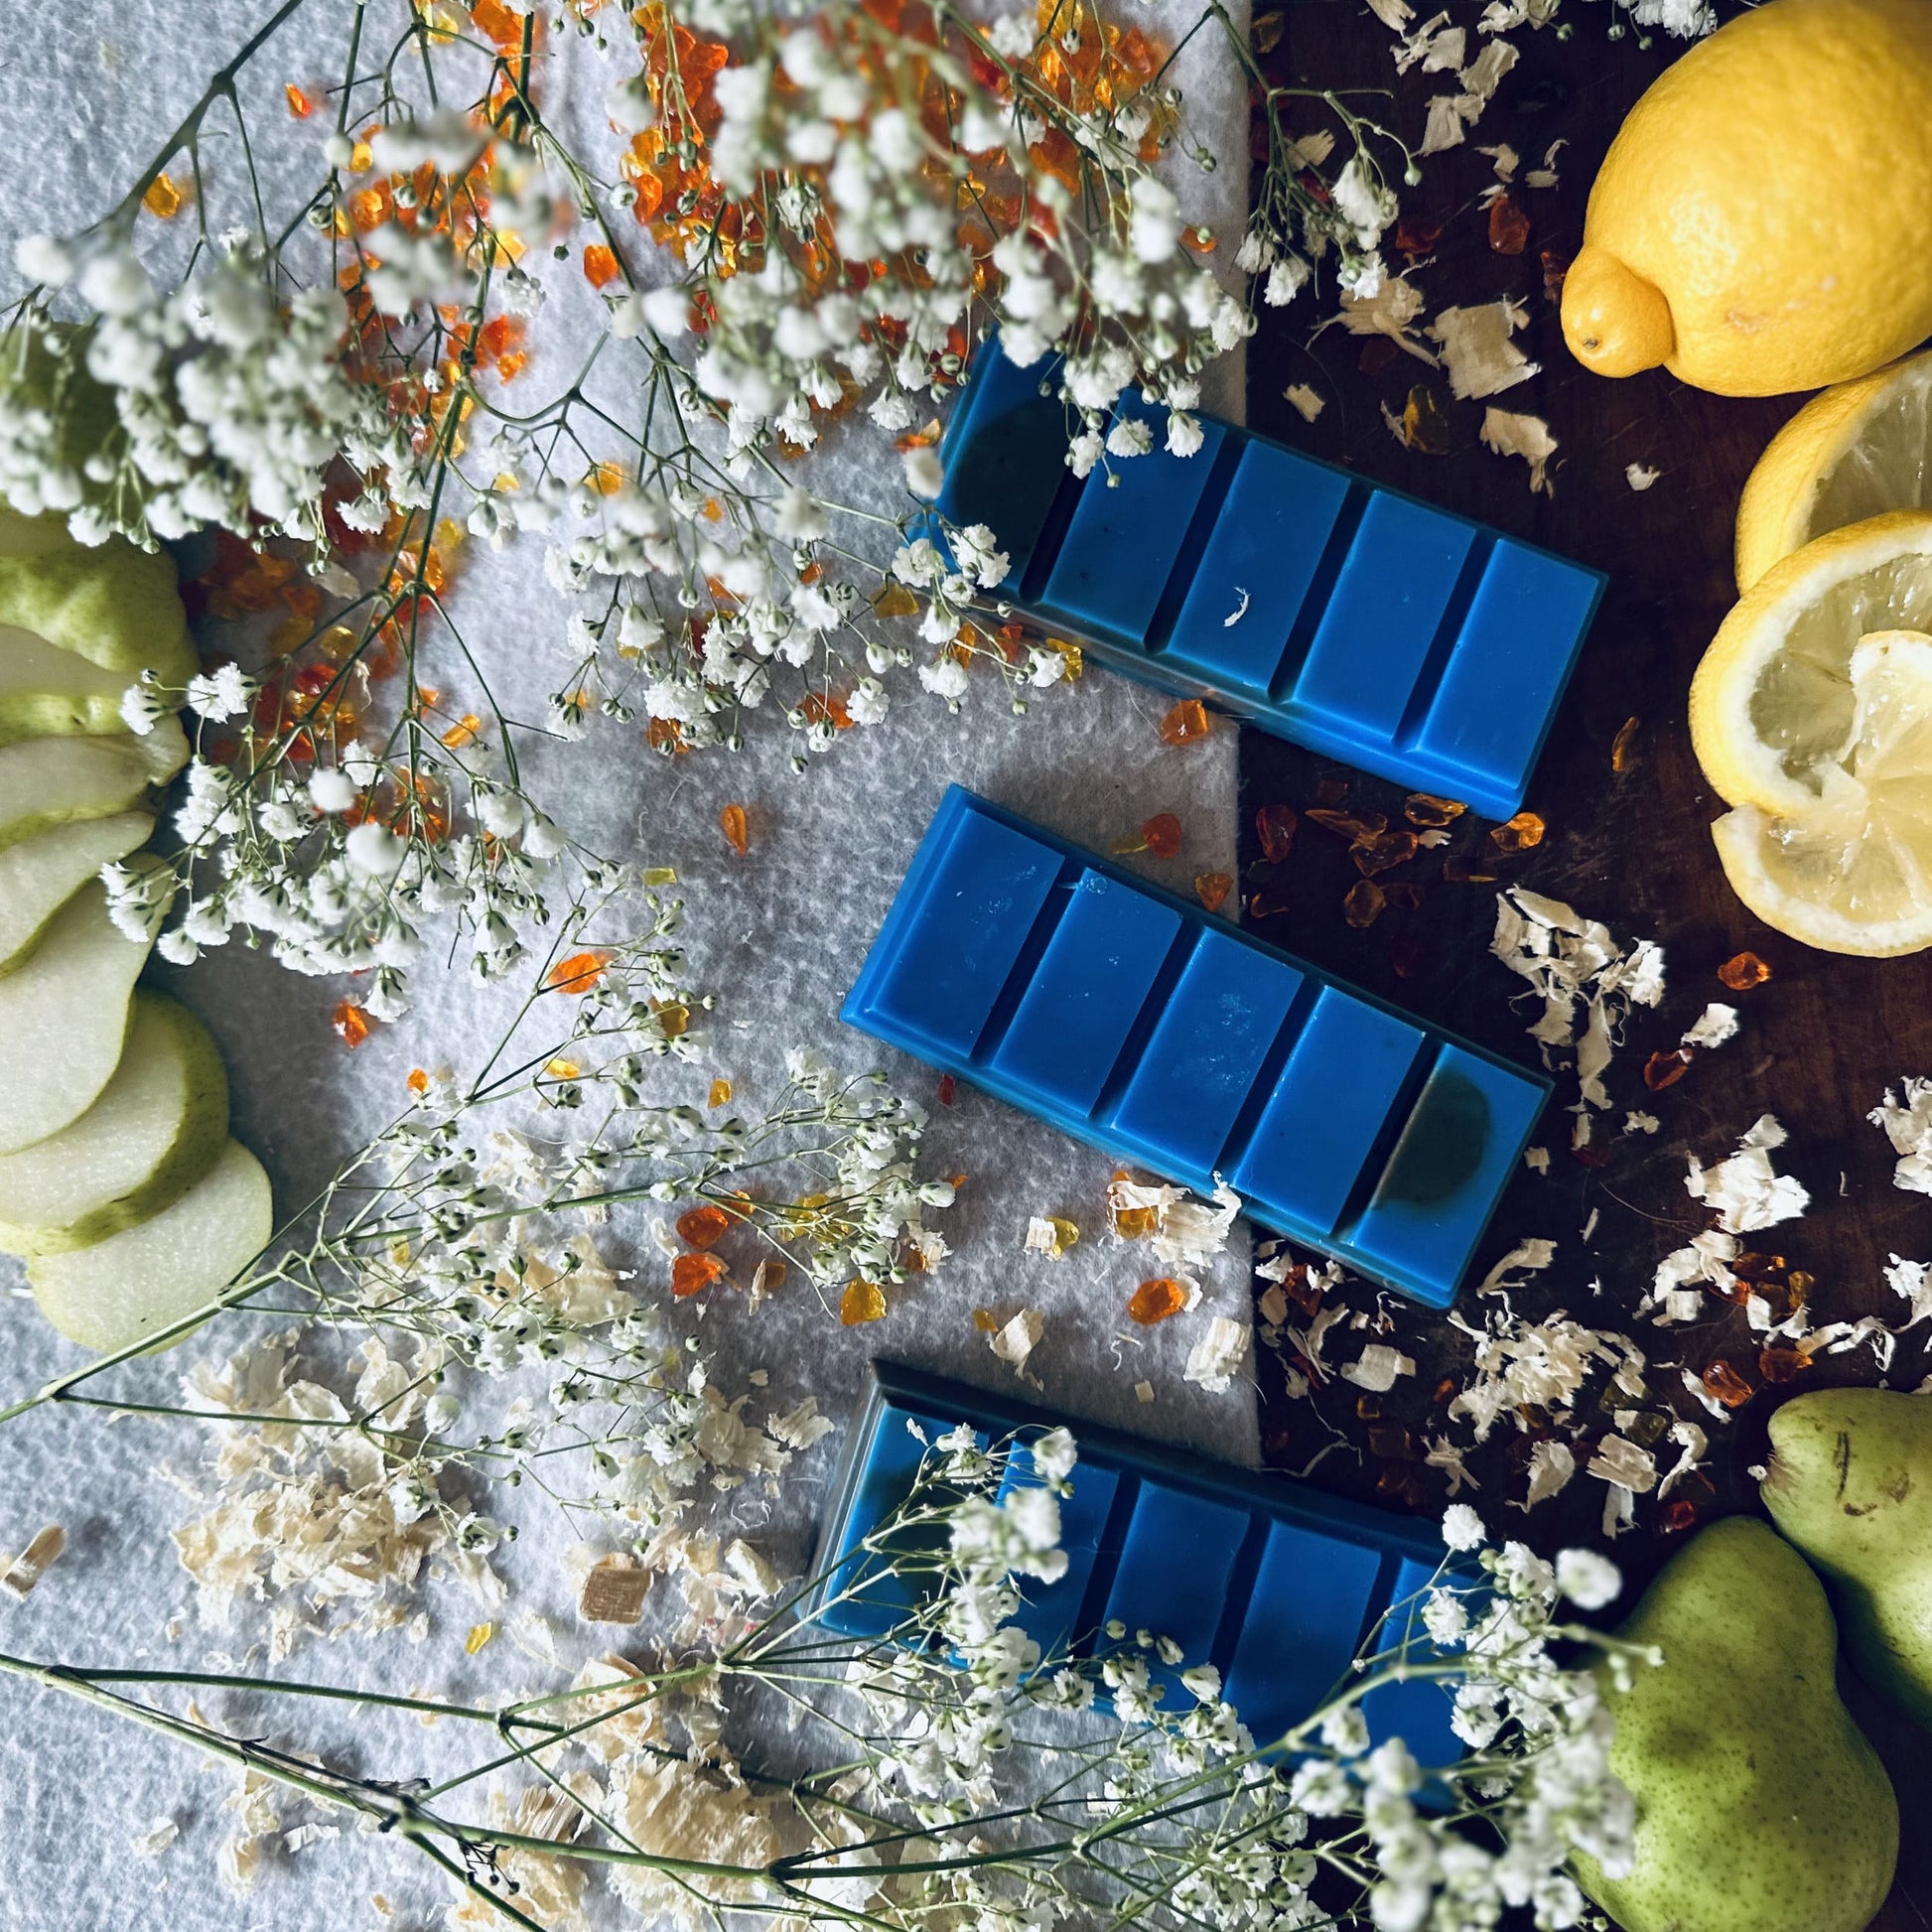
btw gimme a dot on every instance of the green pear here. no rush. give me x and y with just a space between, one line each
115 605
46 692
64 1013
155 1131
39 874
137 1283
1850 1482
50 781
1760 1806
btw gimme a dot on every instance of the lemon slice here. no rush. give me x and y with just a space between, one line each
1772 704
1854 873
1856 451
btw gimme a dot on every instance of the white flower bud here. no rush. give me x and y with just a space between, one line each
372 849
330 790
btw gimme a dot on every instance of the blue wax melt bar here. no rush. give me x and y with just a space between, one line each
1273 1583
1350 618
1164 1035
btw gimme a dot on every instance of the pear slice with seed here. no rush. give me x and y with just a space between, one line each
63 1017
39 876
155 1131
135 1284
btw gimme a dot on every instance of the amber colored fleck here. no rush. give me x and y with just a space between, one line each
1425 423
418 1081
463 732
720 1094
480 1634
1554 267
1454 873
1390 1438
1416 237
1381 850
1679 1515
1352 826
862 1301
614 1589
768 1278
1754 1267
1423 808
163 197
987 1322
1154 1300
1364 902
948 1086
1212 889
1727 1385
895 601
1781 1364
600 266
1663 1070
704 1227
579 973
1265 32
1620 745
300 105
736 829
1161 835
1509 226
1404 892
562 1069
1136 1224
1185 722
673 1020
1517 834
350 1023
1267 905
1275 824
1743 971
658 875
692 1274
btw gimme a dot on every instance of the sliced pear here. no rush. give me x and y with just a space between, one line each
133 1284
155 1131
49 781
47 692
64 1021
115 605
39 876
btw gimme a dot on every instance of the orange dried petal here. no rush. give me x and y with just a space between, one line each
580 972
705 1226
736 829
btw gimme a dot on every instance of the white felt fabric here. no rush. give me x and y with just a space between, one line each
778 934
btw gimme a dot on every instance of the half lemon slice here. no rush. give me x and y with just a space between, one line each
1812 714
1854 451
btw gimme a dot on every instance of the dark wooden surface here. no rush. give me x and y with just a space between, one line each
1820 1042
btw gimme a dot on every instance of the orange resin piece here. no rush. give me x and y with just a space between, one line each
163 197
1727 1385
704 1227
1187 722
1743 971
1423 808
1663 1070
738 834
300 105
1781 1364
418 1081
1212 889
350 1023
562 1069
1518 834
1362 905
1276 826
600 266
862 1301
1620 745
1161 835
720 1095
1381 850
1154 1300
693 1274
579 973
1509 226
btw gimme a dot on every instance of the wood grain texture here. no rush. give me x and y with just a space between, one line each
1820 1042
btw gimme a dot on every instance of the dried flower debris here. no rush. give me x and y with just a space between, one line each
1745 1192
1477 353
1511 433
18 1578
1218 1357
1906 1119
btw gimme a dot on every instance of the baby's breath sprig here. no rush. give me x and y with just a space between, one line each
958 1776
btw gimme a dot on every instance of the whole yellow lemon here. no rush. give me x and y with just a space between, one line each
1760 221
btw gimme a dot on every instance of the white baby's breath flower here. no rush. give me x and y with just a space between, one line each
1462 1528
924 475
373 848
1588 1579
218 694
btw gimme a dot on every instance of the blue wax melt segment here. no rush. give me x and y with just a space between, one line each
1501 686
987 887
1417 1711
1140 1023
1414 643
1390 605
1273 1583
1205 1053
1327 1111
1050 1614
1125 537
1004 454
1091 981
1310 1608
1456 1154
882 1593
1259 565
1175 1565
